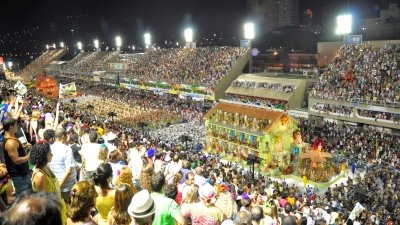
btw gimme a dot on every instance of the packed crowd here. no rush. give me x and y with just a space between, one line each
88 62
365 72
362 145
327 108
188 108
100 173
200 66
273 103
380 115
38 65
265 85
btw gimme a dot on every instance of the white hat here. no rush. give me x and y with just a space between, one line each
111 136
207 191
227 222
142 205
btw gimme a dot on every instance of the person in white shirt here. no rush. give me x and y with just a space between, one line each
172 168
198 178
90 156
136 164
63 163
159 165
85 136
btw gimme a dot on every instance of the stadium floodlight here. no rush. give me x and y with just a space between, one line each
61 44
96 44
79 44
47 47
249 32
188 33
118 41
147 39
54 45
133 47
344 24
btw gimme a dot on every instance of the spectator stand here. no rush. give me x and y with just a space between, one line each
271 92
355 112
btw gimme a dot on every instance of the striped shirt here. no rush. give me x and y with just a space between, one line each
62 160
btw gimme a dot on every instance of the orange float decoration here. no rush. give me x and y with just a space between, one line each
46 86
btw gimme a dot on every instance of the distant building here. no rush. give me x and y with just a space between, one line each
387 26
272 14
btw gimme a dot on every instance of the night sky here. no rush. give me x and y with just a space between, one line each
43 21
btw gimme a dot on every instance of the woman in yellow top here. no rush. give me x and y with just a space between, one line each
43 179
105 199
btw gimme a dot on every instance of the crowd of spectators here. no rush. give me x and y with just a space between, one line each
87 62
39 64
264 85
362 72
148 179
362 145
187 108
265 102
96 171
380 115
200 66
337 109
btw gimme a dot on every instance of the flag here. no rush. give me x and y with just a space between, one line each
358 208
67 90
20 88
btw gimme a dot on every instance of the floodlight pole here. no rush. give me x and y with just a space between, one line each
250 64
253 169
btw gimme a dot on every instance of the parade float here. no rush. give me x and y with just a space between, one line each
46 86
235 132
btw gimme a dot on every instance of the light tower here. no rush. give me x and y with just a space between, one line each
147 40
188 34
118 43
96 45
249 34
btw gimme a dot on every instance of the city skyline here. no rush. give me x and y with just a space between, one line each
40 22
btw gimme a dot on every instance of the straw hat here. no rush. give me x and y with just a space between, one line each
142 205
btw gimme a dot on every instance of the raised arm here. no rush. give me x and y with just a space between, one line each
55 124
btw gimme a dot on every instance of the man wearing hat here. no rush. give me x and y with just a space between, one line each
142 208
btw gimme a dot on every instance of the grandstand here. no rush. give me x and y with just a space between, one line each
193 72
85 63
271 92
39 64
361 84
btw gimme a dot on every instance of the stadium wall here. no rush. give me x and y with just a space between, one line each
328 50
297 98
233 73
